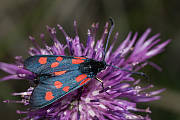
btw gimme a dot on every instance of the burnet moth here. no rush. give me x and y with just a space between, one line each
59 75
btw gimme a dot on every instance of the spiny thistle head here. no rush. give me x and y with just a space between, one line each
124 91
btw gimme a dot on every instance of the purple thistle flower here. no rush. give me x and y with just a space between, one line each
125 91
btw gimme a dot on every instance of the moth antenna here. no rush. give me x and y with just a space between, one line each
132 72
109 34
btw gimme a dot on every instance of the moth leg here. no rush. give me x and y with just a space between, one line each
34 82
79 98
102 84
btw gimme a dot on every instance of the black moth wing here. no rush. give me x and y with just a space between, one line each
33 64
46 93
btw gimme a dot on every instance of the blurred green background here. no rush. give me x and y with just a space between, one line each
21 18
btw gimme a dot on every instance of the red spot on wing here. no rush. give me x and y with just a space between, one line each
77 61
54 64
59 73
59 59
80 57
84 81
58 84
66 89
81 77
43 60
49 96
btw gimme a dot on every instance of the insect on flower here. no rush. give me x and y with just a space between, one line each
60 75
92 83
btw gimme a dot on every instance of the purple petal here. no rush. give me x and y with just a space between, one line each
9 68
10 77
